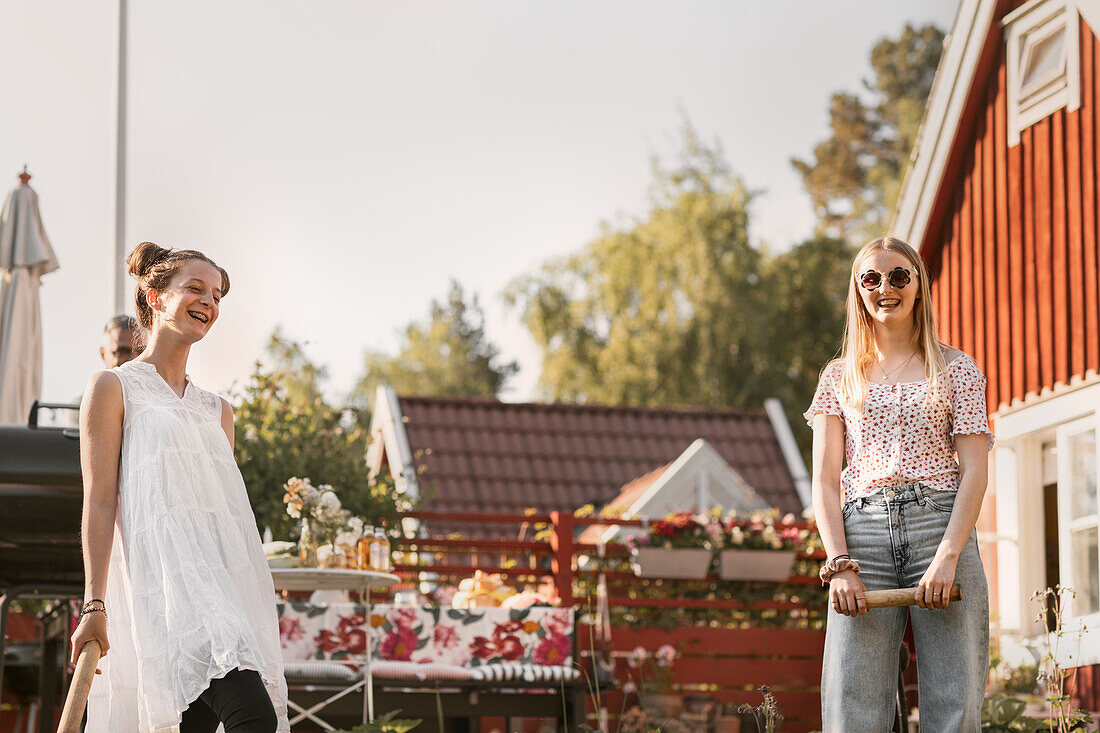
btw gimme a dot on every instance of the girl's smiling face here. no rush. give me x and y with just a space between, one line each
886 304
190 304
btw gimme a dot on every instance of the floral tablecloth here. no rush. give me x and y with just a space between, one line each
474 637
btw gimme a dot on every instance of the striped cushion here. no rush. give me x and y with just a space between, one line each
319 673
505 671
391 670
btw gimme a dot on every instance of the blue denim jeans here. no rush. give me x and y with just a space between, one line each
894 536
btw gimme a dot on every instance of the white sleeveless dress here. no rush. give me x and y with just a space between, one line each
189 593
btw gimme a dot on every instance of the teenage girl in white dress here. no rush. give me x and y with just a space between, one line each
175 576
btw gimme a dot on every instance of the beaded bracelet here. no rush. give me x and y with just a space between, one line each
88 608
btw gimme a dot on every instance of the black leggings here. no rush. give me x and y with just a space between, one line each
239 700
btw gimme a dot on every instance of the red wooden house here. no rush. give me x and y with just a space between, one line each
1002 199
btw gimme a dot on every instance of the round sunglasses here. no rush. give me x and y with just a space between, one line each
898 278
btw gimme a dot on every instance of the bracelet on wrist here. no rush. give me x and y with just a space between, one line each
86 611
836 565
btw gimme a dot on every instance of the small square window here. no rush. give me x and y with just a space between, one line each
1043 62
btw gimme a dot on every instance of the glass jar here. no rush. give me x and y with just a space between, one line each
307 544
363 549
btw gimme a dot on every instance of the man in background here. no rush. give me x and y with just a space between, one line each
122 341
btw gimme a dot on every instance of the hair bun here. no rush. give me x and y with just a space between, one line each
143 257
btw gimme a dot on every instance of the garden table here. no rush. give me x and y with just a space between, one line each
292 579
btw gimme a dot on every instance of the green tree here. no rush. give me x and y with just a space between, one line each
660 311
285 428
807 289
854 177
447 356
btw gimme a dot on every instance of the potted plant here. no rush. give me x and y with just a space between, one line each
677 546
755 548
321 515
654 679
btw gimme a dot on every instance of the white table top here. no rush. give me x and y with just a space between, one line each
330 579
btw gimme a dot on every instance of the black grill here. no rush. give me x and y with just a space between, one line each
40 505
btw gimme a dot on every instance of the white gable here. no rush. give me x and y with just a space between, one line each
698 480
390 441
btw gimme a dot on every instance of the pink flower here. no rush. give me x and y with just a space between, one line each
347 623
558 621
482 647
510 648
327 641
355 641
290 629
666 655
505 629
445 637
399 644
404 616
553 649
637 657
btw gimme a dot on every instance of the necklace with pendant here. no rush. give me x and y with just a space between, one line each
895 370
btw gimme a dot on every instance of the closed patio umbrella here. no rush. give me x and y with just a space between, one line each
25 256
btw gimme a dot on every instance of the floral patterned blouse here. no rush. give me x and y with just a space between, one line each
898 438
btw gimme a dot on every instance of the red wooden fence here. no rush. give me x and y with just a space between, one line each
733 637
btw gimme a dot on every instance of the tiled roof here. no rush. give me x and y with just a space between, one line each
480 455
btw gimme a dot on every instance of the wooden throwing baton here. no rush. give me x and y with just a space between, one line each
79 688
902 597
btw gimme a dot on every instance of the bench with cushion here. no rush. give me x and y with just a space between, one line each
431 663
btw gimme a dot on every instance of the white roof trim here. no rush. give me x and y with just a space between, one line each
1090 11
791 454
388 438
941 119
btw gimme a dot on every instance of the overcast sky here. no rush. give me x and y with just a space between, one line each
345 160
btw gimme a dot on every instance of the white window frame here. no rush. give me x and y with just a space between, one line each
1075 648
1017 486
1025 28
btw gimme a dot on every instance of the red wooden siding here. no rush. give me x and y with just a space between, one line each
1014 260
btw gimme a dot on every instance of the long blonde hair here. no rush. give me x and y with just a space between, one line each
858 349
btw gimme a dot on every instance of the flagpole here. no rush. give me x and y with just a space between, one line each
118 262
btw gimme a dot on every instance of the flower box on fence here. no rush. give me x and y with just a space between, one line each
755 564
684 563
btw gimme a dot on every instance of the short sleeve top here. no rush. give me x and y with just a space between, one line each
901 437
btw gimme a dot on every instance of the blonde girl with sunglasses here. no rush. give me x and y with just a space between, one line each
901 437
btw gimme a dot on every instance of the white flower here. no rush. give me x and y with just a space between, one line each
330 501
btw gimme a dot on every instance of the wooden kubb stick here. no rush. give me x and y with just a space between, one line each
902 597
79 688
